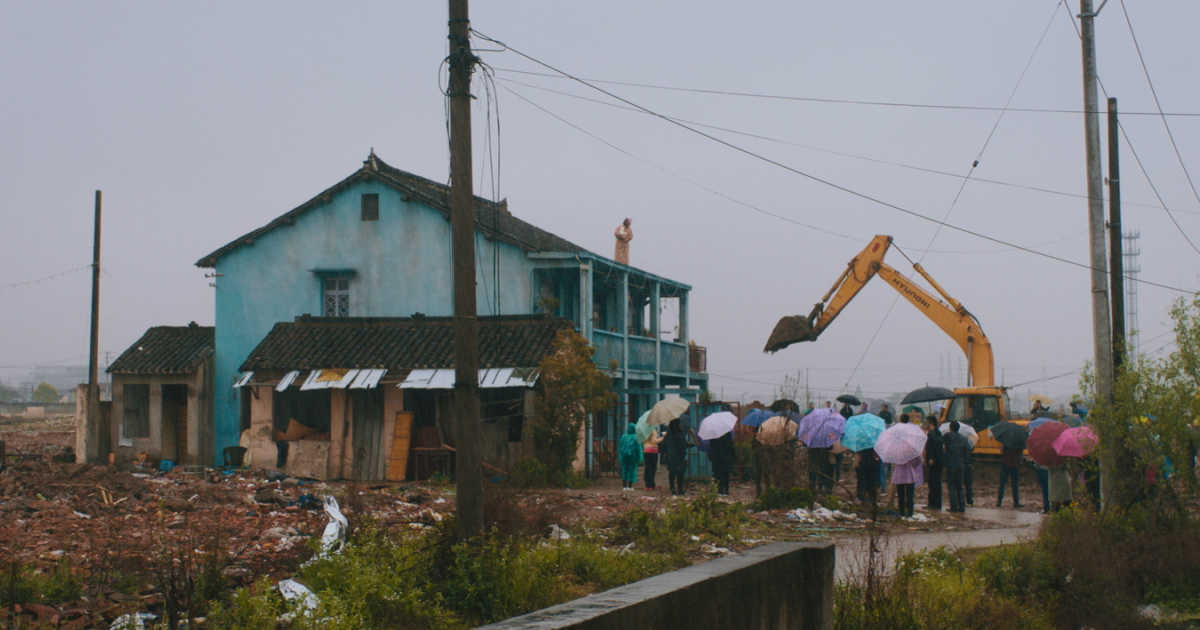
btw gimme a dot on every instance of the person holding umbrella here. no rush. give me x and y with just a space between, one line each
1010 462
629 454
907 477
650 456
958 449
867 472
674 449
935 454
720 452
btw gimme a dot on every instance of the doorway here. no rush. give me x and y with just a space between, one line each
174 422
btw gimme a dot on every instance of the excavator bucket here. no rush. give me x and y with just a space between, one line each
789 330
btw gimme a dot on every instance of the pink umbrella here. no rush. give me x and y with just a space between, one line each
900 443
1076 442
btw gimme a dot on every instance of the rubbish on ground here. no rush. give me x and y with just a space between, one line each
714 550
558 533
819 513
299 596
335 531
132 621
81 514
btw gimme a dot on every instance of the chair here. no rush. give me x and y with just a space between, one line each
430 454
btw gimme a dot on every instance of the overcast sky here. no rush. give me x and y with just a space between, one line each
203 121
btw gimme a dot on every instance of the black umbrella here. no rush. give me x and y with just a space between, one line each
1010 435
849 399
927 394
784 404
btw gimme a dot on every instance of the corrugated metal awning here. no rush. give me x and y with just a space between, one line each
287 380
367 379
328 378
489 378
243 378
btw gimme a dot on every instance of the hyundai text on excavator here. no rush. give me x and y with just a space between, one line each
980 404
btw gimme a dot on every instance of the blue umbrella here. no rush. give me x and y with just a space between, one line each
1072 421
862 431
1037 423
821 428
757 417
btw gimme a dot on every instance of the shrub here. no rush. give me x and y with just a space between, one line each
255 606
1023 571
22 584
669 530
784 498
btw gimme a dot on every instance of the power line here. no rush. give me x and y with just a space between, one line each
25 283
856 156
957 195
818 99
816 178
1158 105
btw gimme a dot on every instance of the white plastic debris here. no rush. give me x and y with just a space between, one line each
917 517
714 550
558 533
299 595
819 513
439 500
335 531
132 621
81 514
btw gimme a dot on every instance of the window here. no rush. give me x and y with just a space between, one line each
336 297
979 411
370 207
136 420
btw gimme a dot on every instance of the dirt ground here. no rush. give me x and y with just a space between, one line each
123 526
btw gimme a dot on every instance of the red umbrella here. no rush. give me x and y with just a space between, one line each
1041 443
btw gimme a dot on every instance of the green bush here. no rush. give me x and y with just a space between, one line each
255 606
22 584
1023 571
785 499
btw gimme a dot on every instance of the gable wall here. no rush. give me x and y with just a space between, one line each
402 263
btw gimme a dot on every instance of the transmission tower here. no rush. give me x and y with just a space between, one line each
1131 254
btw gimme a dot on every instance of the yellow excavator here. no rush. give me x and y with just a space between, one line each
980 404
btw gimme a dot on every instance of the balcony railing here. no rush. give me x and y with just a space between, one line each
673 357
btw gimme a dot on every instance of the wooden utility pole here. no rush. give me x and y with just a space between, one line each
96 434
1116 262
1101 331
468 467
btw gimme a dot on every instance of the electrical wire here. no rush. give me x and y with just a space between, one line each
818 179
53 276
1129 143
833 101
1170 136
856 156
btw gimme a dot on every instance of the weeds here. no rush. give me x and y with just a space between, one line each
785 499
668 531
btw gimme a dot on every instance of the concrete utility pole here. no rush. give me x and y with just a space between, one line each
468 461
97 443
1102 339
1117 262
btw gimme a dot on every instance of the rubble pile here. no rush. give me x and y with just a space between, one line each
125 532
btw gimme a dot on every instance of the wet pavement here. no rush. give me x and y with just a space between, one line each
1010 526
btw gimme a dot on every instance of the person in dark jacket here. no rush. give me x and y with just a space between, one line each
1010 470
720 452
674 449
935 454
867 471
958 449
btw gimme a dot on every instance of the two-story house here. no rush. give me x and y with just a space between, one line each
311 309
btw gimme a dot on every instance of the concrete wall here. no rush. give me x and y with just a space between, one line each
199 415
402 264
777 586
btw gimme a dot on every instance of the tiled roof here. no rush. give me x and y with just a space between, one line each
166 350
491 218
311 343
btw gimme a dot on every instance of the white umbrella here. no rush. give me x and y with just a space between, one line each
666 410
964 430
776 431
716 425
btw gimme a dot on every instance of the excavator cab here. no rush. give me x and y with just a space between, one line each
978 410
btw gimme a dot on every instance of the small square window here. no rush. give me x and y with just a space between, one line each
370 207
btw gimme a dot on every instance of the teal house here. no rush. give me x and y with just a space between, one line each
377 245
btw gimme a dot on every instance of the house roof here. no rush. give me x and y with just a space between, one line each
166 350
491 218
400 343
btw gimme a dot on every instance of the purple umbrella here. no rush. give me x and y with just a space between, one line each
821 428
900 443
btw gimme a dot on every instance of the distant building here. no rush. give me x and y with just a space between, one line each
377 245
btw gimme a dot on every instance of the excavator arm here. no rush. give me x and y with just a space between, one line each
949 315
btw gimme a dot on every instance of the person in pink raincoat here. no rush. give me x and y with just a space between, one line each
906 477
624 234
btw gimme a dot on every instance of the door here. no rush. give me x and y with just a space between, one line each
397 467
369 461
174 419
